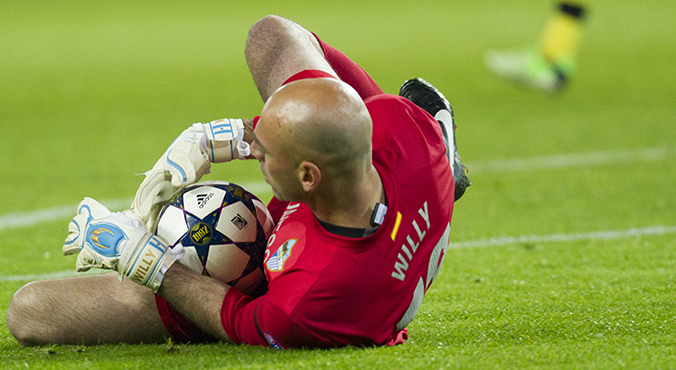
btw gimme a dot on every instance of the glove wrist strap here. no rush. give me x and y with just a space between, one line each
146 259
224 140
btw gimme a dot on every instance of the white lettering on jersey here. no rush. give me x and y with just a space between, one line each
433 267
408 251
291 208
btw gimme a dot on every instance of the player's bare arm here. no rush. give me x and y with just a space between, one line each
277 49
197 297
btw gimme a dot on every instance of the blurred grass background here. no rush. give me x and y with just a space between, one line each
92 93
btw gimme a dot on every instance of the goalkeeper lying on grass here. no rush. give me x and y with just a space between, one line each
364 185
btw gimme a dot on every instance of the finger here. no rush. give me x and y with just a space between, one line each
91 208
71 245
85 261
82 268
69 249
180 179
179 175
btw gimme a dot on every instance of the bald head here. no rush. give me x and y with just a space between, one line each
322 120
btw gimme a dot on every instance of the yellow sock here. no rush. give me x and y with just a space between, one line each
561 35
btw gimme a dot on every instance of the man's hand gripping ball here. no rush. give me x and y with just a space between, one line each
186 160
120 242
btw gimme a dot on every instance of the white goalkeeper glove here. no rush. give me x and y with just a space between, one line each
182 164
118 241
186 160
224 139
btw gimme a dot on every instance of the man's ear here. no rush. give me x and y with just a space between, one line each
309 175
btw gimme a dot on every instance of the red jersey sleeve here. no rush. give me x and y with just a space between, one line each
258 322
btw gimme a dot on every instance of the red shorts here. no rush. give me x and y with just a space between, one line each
178 326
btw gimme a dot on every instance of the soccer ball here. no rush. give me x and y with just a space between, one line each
224 230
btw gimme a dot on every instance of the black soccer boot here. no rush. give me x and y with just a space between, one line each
427 97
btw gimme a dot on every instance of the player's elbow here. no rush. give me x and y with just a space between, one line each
268 38
267 28
22 315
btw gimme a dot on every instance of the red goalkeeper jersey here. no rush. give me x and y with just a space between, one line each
327 290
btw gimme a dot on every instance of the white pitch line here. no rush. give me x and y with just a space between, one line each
572 160
25 219
506 240
31 218
51 275
553 238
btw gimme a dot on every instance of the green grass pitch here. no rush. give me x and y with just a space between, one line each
563 252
